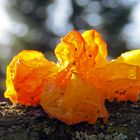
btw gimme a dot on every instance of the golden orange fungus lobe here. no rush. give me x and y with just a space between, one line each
130 57
86 48
26 75
94 57
93 39
121 77
70 48
75 102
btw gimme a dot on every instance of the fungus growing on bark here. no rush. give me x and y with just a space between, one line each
74 89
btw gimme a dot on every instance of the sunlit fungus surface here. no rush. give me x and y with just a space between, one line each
74 89
26 76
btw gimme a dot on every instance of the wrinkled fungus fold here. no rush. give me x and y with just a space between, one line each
75 88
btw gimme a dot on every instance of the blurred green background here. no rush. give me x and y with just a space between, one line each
39 24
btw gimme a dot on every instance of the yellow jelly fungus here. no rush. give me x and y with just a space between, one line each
74 89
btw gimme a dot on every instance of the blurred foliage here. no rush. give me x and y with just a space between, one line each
107 16
33 13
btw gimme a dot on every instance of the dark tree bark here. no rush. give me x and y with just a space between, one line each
31 123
